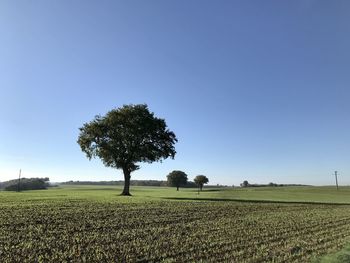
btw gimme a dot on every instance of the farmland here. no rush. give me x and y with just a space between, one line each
94 224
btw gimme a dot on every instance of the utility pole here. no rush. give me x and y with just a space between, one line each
19 181
336 178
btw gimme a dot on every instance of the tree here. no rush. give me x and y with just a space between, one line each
126 136
26 184
245 184
200 180
177 179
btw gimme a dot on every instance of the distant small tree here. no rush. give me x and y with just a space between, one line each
245 184
200 180
177 179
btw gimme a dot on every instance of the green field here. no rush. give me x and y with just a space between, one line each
94 224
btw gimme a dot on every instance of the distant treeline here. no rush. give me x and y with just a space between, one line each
247 184
25 184
276 185
132 182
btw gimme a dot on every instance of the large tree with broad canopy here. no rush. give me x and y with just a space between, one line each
125 137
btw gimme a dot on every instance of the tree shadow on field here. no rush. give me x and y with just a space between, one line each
253 201
94 189
205 190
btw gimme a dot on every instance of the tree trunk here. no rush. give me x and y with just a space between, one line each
177 188
126 182
201 186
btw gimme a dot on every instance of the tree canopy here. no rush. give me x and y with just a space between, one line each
177 179
25 184
200 180
125 137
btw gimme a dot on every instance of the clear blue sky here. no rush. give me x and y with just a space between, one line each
255 90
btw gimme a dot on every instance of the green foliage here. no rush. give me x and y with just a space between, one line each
200 180
26 184
126 136
177 179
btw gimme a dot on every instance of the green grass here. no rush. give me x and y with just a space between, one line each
324 194
306 194
342 256
95 224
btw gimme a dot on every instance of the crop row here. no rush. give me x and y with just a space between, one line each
170 231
